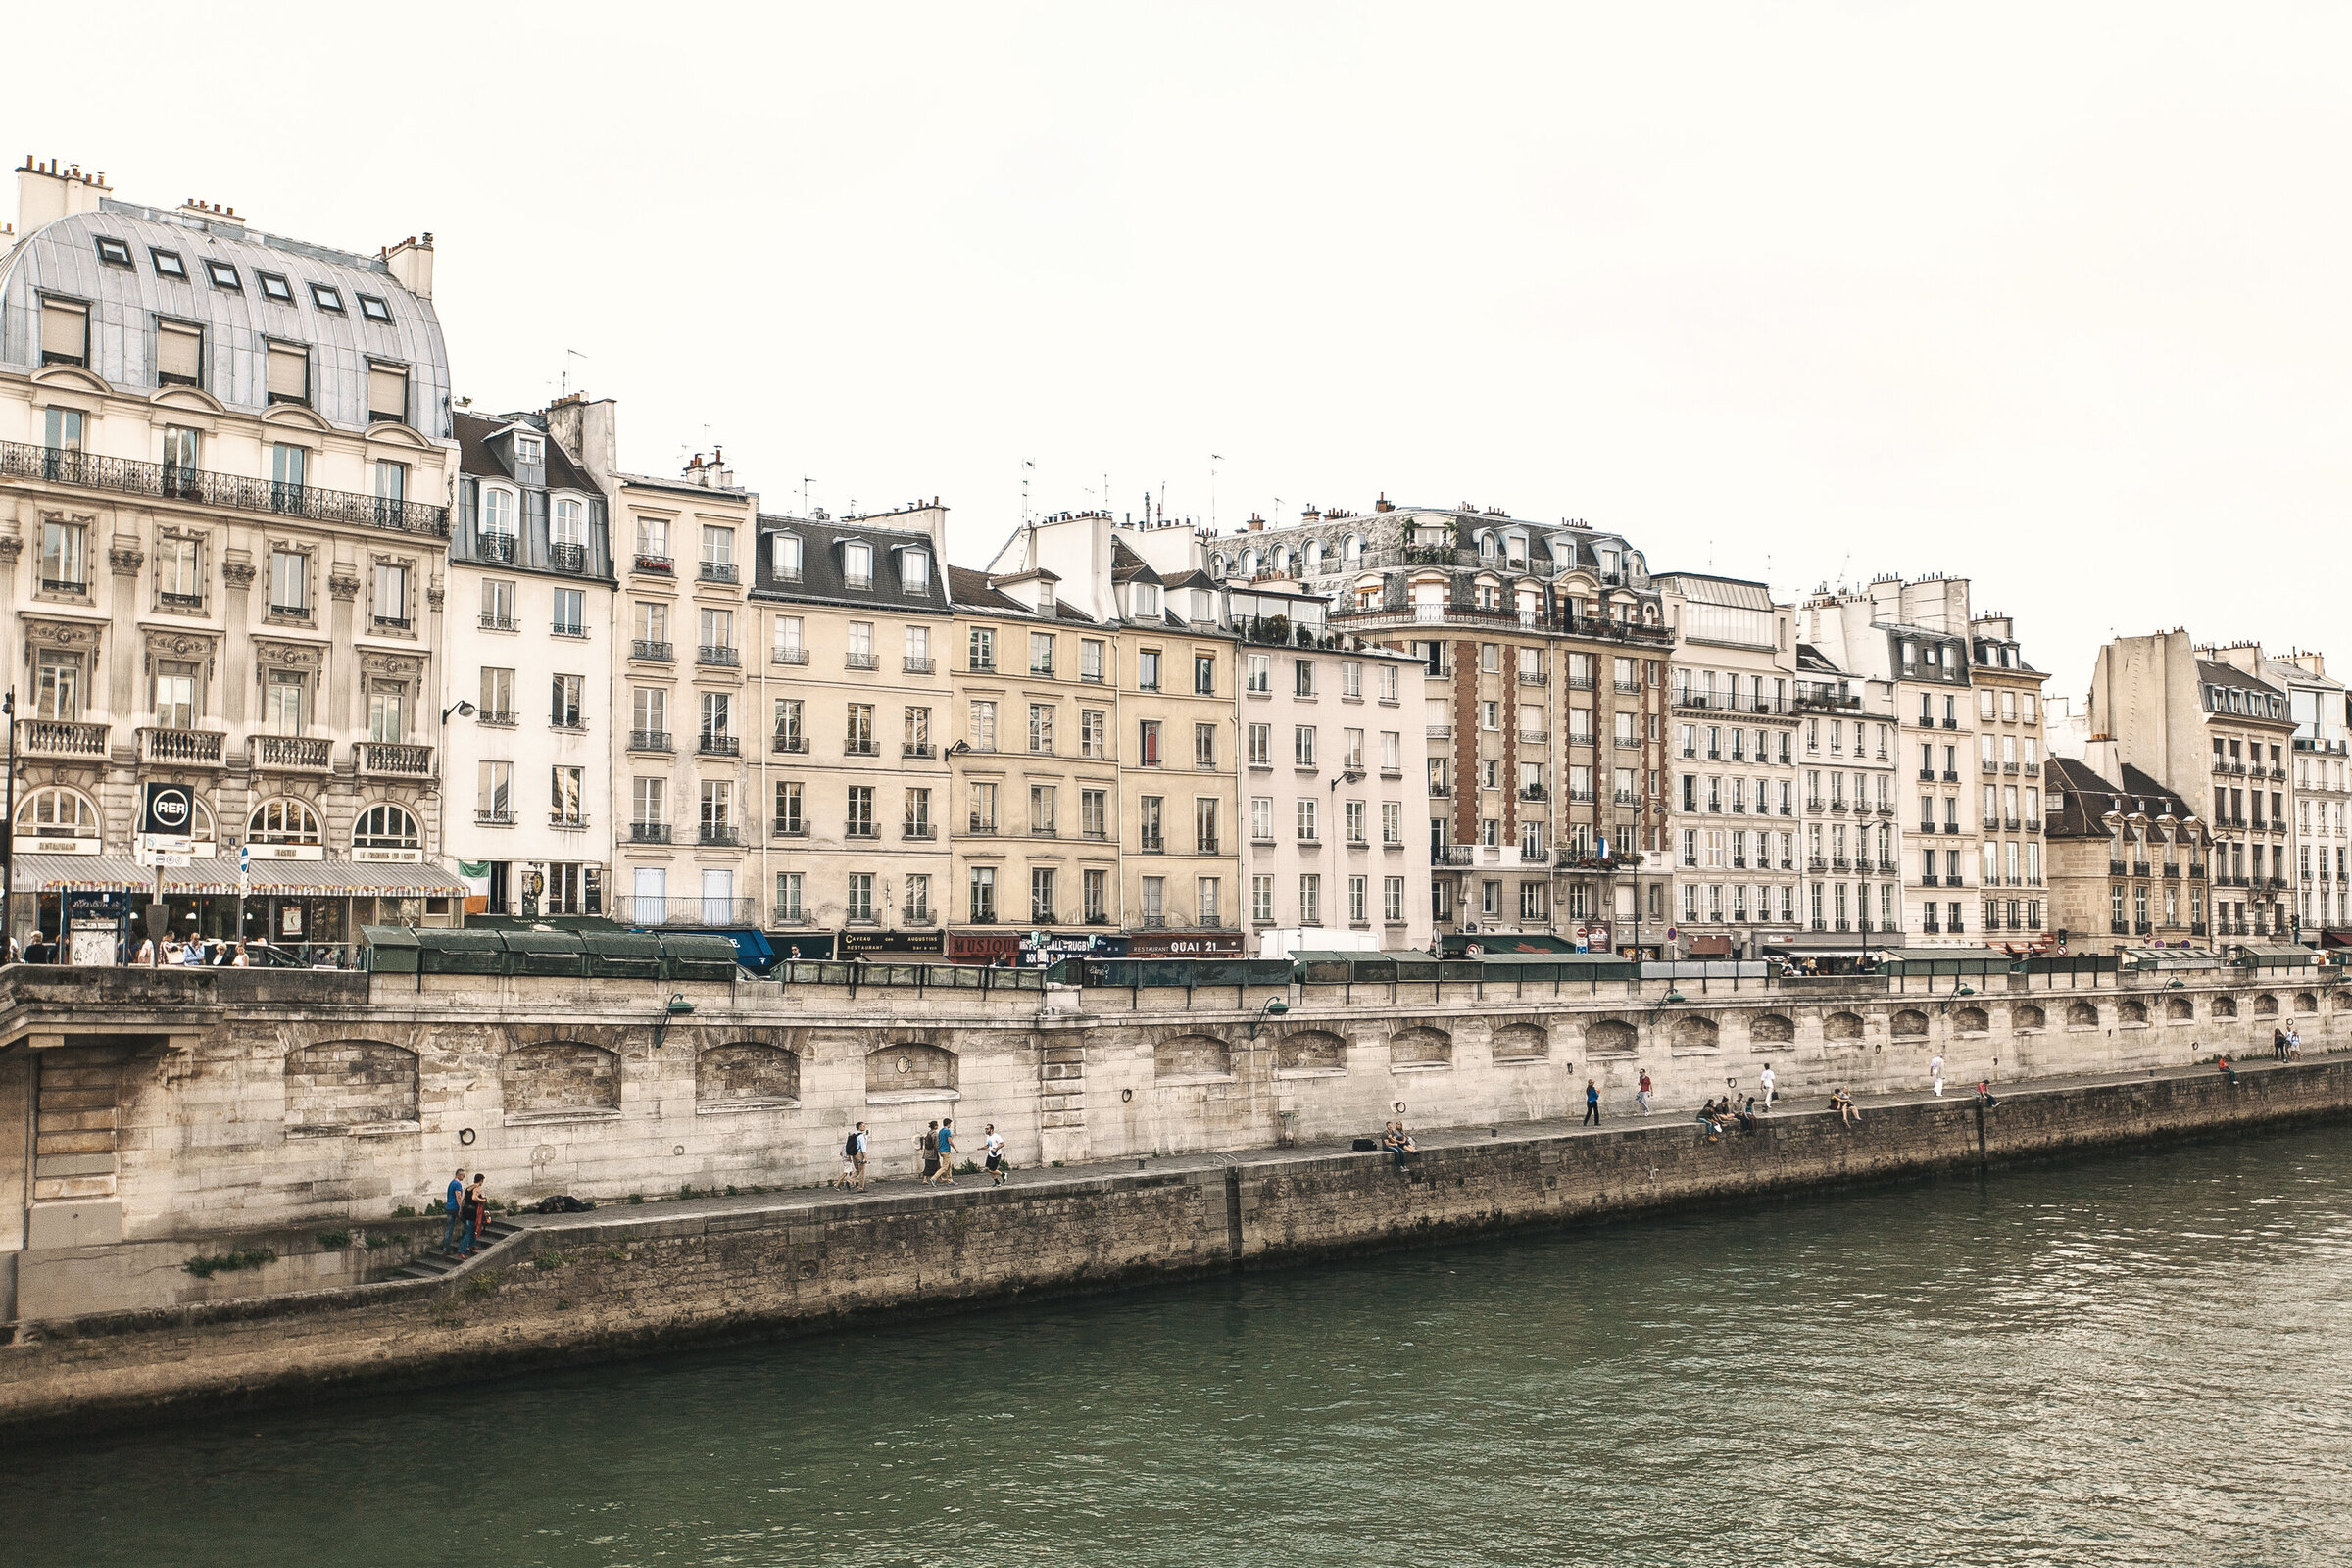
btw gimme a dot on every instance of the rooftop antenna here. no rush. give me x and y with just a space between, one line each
1214 457
1027 467
569 356
805 482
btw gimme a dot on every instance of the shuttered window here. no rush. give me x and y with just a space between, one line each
289 374
64 333
178 353
387 393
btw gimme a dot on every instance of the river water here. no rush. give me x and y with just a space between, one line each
2139 1360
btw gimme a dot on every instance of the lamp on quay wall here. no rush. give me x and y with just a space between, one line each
677 1006
1275 1007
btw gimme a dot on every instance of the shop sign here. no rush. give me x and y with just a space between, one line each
1185 945
410 856
857 944
1042 949
983 947
289 852
802 946
166 811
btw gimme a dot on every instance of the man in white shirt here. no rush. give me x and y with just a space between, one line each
1935 1072
997 1167
1766 1079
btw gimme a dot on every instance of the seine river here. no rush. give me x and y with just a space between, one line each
2142 1361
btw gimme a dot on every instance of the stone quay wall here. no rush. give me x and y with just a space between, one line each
641 1282
148 1118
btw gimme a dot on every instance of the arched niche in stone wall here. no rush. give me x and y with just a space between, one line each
337 1085
2131 1009
2265 1006
1310 1051
1522 1042
2225 1006
1842 1026
2027 1016
1908 1024
1192 1058
1693 1033
1971 1020
745 1075
1771 1028
2306 1001
2081 1015
560 1077
1421 1048
2180 1010
1608 1037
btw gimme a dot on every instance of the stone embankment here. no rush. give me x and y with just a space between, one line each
635 1280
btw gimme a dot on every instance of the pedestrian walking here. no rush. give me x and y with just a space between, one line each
998 1167
1767 1081
2278 1044
472 1204
1592 1104
1935 1073
946 1174
454 1200
2294 1044
928 1141
1642 1092
853 1156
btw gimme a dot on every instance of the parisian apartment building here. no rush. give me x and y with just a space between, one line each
227 458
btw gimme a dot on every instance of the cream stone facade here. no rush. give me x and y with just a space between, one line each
849 637
225 468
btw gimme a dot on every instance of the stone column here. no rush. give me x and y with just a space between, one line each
124 558
12 545
343 584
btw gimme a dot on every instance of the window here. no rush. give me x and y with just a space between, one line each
178 353
1358 823
1096 884
1147 670
1148 743
983 902
564 701
494 793
1392 822
858 564
1311 899
649 800
916 822
1041 895
718 553
918 899
565 807
1155 900
857 736
982 731
1204 676
571 611
1094 813
282 822
1041 653
1090 658
174 694
915 571
1204 746
289 582
1260 673
376 309
1261 818
64 557
648 713
858 813
1205 826
1261 900
392 595
287 373
1307 822
1207 902
983 816
1147 825
1303 745
65 332
224 276
1041 810
58 684
1262 746
1091 731
718 632
716 808
983 647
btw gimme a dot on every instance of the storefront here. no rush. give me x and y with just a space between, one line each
893 944
285 903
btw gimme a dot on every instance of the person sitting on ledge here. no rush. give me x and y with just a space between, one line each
1745 1115
1707 1122
2227 1072
1844 1104
1984 1094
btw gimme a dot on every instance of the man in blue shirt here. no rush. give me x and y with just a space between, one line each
455 1202
947 1151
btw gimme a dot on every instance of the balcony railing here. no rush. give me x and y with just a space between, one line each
491 621
50 737
649 740
917 830
660 565
715 654
857 661
649 832
916 666
717 833
788 656
567 557
86 471
572 820
718 746
199 747
494 549
396 760
684 909
494 817
289 753
917 749
853 747
717 571
658 652
789 745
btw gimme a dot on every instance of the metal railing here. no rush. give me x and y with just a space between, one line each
649 740
717 571
715 654
649 832
87 471
567 557
647 648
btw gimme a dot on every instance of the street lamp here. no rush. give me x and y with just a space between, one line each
461 707
1275 1007
677 1006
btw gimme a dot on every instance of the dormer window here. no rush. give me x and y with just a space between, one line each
327 298
915 571
169 265
276 289
178 353
529 452
112 252
784 556
224 276
376 309
1146 600
858 564
387 394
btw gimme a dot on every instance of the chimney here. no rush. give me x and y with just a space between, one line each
720 475
412 263
1257 524
587 431
1312 514
46 193
1384 503
212 215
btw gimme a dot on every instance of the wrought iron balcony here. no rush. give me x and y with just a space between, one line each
657 651
87 471
715 654
649 832
719 572
659 565
649 740
567 557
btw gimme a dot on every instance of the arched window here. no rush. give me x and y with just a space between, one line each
567 521
1314 556
1218 565
202 830
1352 550
1282 560
284 820
1489 547
57 813
498 511
1248 562
385 826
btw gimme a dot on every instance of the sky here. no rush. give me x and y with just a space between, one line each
2052 298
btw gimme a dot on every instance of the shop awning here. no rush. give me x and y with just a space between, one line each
339 878
53 873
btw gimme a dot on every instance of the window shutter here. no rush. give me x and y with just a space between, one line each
387 392
178 352
289 373
65 331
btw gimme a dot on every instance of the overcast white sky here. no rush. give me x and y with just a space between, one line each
2051 296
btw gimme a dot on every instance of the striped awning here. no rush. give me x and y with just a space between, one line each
217 878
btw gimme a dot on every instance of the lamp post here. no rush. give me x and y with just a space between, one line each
1275 1007
8 827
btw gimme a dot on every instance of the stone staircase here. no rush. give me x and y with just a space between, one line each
435 1262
